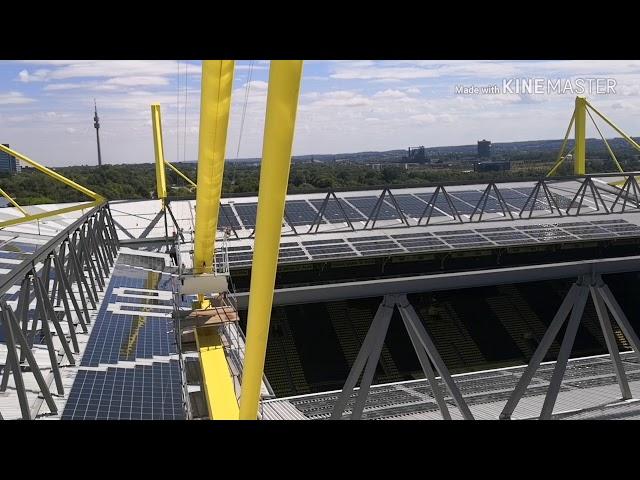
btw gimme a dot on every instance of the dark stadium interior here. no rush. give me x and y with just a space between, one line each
312 347
402 265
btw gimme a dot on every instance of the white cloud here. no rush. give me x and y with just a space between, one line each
37 76
14 98
134 81
390 94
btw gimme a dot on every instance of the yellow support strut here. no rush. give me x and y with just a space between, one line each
280 120
184 177
215 103
59 211
158 148
13 202
579 157
51 173
217 82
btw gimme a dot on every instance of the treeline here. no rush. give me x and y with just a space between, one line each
137 181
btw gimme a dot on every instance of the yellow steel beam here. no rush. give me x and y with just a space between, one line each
51 173
217 380
629 140
215 102
579 157
280 120
158 148
560 158
60 211
13 202
184 177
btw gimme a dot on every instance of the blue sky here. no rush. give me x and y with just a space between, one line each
46 107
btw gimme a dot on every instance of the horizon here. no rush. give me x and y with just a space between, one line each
46 107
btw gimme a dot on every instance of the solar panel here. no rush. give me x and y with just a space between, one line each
465 239
239 248
417 242
145 392
454 232
367 239
227 217
412 235
501 236
119 337
324 249
300 212
496 229
366 204
13 255
597 222
323 242
412 206
333 214
247 213
20 247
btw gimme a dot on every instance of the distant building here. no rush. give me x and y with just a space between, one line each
416 155
8 163
491 166
484 148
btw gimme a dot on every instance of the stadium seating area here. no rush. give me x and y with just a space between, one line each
312 347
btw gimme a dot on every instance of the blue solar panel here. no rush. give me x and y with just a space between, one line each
125 337
20 247
412 206
300 212
227 218
366 204
247 213
119 337
145 392
333 214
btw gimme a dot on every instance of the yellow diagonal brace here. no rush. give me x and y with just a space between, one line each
13 202
629 140
215 102
51 173
217 381
613 157
158 148
280 121
560 158
187 179
60 211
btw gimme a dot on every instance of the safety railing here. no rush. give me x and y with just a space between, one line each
68 272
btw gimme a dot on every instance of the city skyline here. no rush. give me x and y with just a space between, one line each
46 107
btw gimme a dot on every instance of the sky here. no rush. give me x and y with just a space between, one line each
46 107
